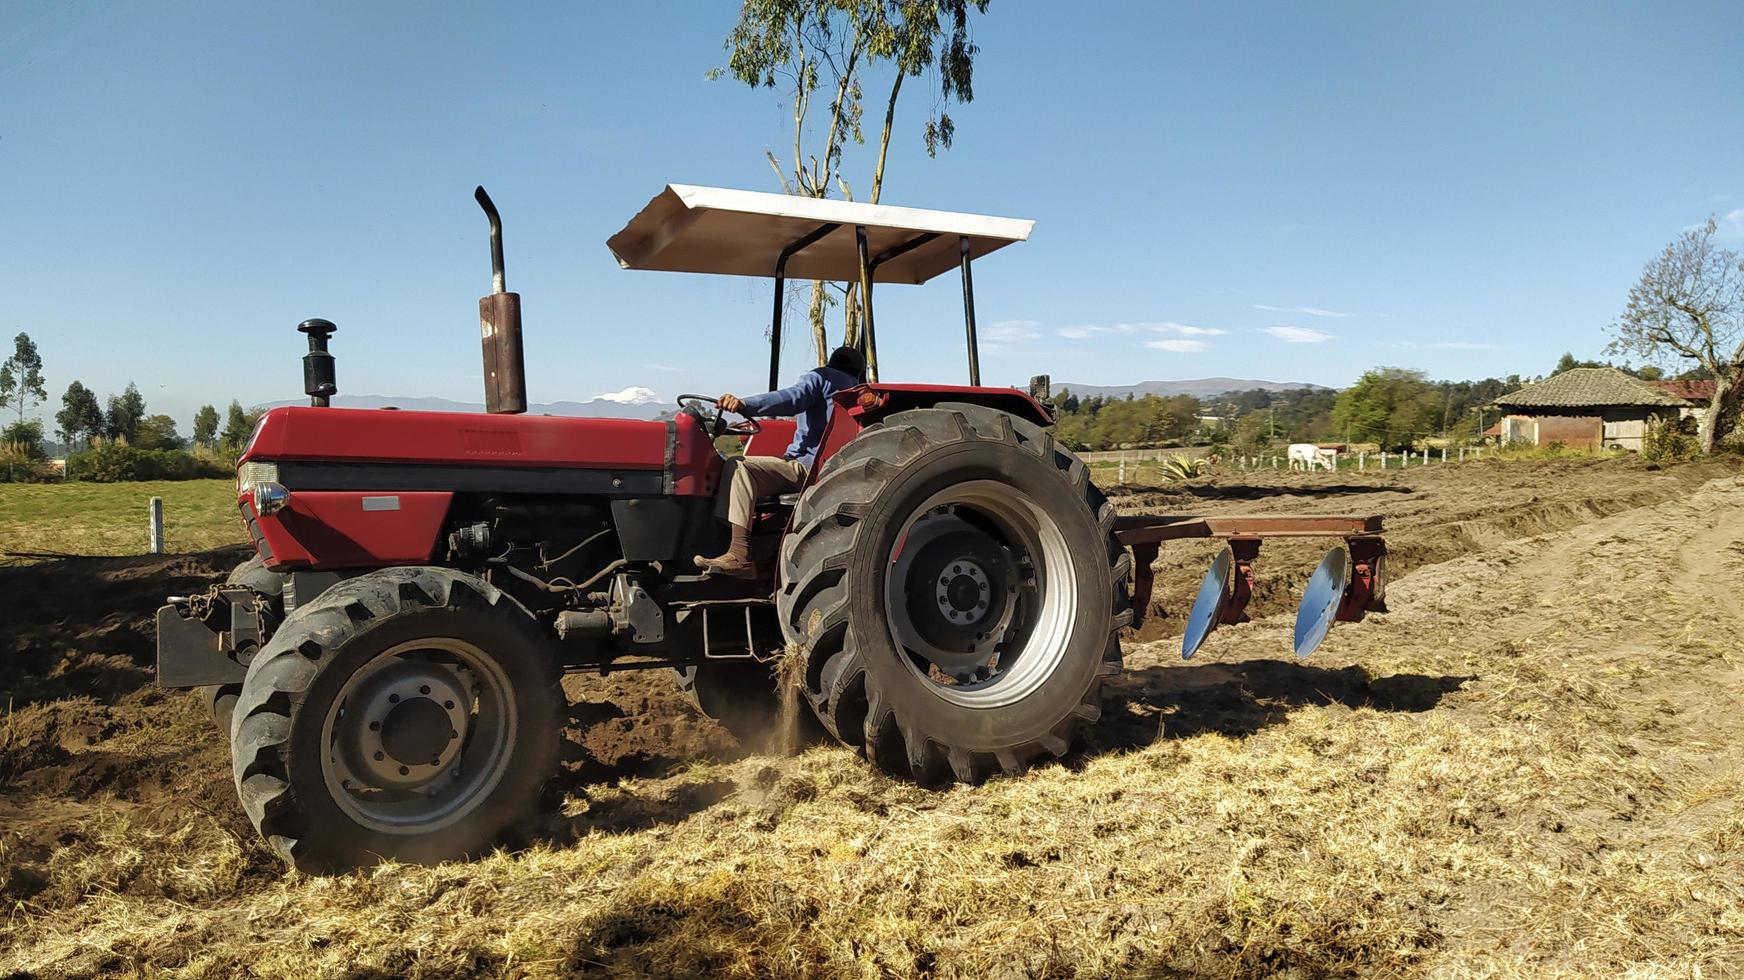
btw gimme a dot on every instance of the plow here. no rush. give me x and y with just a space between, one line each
953 586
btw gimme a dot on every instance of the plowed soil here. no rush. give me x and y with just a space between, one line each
1532 765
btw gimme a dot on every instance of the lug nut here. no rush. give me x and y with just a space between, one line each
425 689
379 756
375 726
404 770
393 699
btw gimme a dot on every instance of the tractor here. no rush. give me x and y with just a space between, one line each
947 593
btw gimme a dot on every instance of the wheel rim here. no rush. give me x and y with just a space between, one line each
419 736
980 594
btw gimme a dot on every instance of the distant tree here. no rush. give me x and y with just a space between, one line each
27 436
21 378
1569 363
237 426
1389 406
80 418
156 432
205 425
125 413
1689 304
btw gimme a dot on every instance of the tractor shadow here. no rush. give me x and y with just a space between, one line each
1239 699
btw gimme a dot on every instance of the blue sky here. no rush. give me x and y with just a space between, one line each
1284 191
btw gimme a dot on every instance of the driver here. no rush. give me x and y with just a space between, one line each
747 478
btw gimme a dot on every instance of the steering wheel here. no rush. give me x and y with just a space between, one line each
714 421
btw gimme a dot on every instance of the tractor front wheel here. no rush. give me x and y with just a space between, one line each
410 713
954 583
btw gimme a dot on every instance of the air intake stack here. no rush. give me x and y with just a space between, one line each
499 323
319 380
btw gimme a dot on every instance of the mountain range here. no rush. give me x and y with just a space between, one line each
636 402
632 403
1197 387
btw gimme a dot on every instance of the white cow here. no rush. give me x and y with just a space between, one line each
1307 456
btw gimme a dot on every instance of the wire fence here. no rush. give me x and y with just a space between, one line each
1145 466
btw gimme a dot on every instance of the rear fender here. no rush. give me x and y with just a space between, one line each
867 404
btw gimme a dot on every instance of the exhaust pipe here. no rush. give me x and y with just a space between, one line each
499 325
319 380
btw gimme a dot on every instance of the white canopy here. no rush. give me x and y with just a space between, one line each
742 233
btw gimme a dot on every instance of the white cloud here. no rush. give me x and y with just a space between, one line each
1086 331
1299 335
1734 221
1178 346
1006 333
633 395
1183 330
1304 310
662 367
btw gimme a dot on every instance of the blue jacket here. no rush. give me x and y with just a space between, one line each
808 400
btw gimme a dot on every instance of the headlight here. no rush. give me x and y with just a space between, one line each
270 498
248 475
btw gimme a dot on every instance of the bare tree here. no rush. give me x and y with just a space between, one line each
808 46
1689 304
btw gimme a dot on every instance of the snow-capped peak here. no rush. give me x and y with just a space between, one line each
633 395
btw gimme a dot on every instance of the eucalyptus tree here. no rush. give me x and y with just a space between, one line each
831 49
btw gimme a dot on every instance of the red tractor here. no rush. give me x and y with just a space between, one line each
952 584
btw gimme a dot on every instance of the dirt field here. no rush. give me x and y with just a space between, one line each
1533 765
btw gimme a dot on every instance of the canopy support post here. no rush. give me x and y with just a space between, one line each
868 340
793 248
969 312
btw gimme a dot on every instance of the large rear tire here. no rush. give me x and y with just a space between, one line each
410 713
954 582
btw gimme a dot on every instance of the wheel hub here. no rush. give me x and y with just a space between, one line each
978 593
964 592
958 583
415 731
406 724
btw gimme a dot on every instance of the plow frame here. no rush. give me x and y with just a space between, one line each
1145 534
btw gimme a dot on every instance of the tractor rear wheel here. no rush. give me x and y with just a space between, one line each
220 699
954 582
410 714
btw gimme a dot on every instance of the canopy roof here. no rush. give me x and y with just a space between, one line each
742 233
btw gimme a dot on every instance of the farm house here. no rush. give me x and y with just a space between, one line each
1587 408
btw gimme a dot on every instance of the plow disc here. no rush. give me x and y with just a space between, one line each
1348 583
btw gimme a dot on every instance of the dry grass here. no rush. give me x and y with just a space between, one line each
1532 767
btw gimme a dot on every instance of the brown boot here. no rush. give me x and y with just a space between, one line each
736 562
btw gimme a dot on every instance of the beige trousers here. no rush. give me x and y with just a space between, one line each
749 477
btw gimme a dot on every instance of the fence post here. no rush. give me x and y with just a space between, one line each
1123 467
1274 462
157 537
1362 460
1462 454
